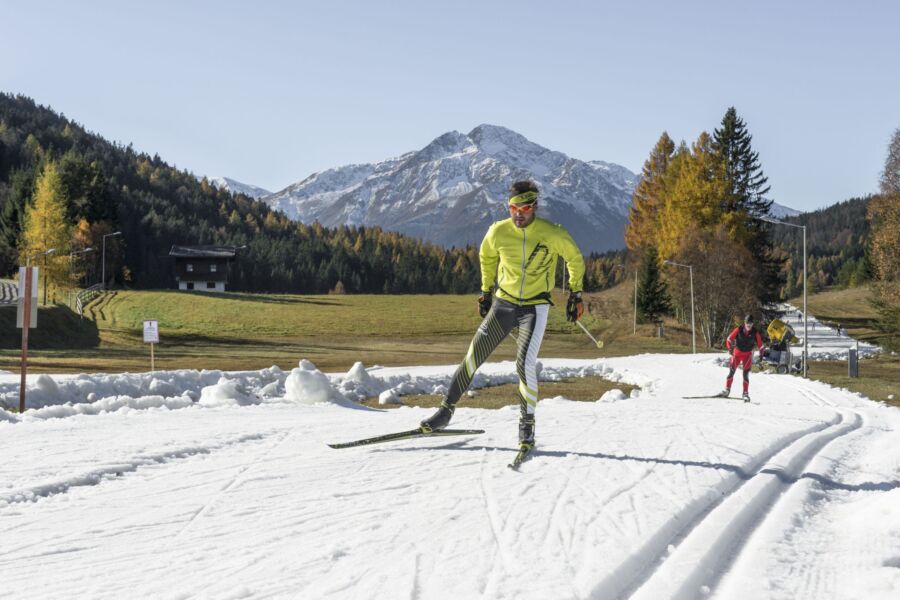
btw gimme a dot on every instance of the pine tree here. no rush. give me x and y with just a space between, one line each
46 227
653 297
746 187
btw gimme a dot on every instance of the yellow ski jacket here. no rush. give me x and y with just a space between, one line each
523 261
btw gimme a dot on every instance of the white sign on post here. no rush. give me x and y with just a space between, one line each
20 305
151 336
151 332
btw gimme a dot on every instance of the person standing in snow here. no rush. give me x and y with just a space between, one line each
740 344
518 269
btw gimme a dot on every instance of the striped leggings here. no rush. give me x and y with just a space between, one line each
499 322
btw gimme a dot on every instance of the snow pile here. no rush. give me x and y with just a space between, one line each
358 384
226 392
309 385
389 397
46 390
69 395
613 395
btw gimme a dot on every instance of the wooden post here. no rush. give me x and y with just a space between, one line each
152 369
26 324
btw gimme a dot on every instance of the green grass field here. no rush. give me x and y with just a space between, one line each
235 331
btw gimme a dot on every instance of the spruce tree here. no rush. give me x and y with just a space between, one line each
747 187
653 296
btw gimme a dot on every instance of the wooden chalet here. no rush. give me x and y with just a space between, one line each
202 268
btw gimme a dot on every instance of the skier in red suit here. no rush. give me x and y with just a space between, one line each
740 344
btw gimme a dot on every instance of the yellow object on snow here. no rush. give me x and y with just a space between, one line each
778 330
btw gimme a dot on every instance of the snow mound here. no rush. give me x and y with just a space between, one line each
388 397
358 384
226 392
613 395
309 385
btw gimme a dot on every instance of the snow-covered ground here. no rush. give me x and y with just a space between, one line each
220 485
825 342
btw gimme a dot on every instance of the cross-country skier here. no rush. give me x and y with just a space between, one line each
740 344
518 255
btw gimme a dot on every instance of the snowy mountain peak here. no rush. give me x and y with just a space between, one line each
780 211
448 144
236 187
451 190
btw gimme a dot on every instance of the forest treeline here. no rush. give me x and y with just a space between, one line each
837 240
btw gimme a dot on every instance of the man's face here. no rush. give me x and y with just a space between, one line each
747 325
522 214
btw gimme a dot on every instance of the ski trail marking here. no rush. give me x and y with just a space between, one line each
639 567
115 470
710 546
793 516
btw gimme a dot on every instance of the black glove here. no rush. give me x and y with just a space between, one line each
484 303
574 307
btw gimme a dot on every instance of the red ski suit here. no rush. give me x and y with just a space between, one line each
742 341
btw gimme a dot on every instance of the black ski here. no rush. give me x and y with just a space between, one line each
406 435
522 455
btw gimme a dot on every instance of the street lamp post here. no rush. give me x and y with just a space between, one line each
103 263
72 258
805 316
690 269
45 254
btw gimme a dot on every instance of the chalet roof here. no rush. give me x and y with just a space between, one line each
202 251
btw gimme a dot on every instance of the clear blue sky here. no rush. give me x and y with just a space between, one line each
269 92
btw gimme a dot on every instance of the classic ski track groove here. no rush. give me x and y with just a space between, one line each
809 500
140 461
645 561
697 561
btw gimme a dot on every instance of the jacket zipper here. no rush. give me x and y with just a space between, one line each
522 286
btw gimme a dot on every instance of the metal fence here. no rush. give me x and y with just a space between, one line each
9 291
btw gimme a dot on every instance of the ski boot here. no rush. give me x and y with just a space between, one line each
746 397
526 431
723 394
439 419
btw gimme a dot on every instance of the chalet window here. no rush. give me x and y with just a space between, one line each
190 268
212 268
210 285
190 285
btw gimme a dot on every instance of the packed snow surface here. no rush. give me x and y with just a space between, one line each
826 342
188 484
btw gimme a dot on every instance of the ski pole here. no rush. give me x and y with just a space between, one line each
588 333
